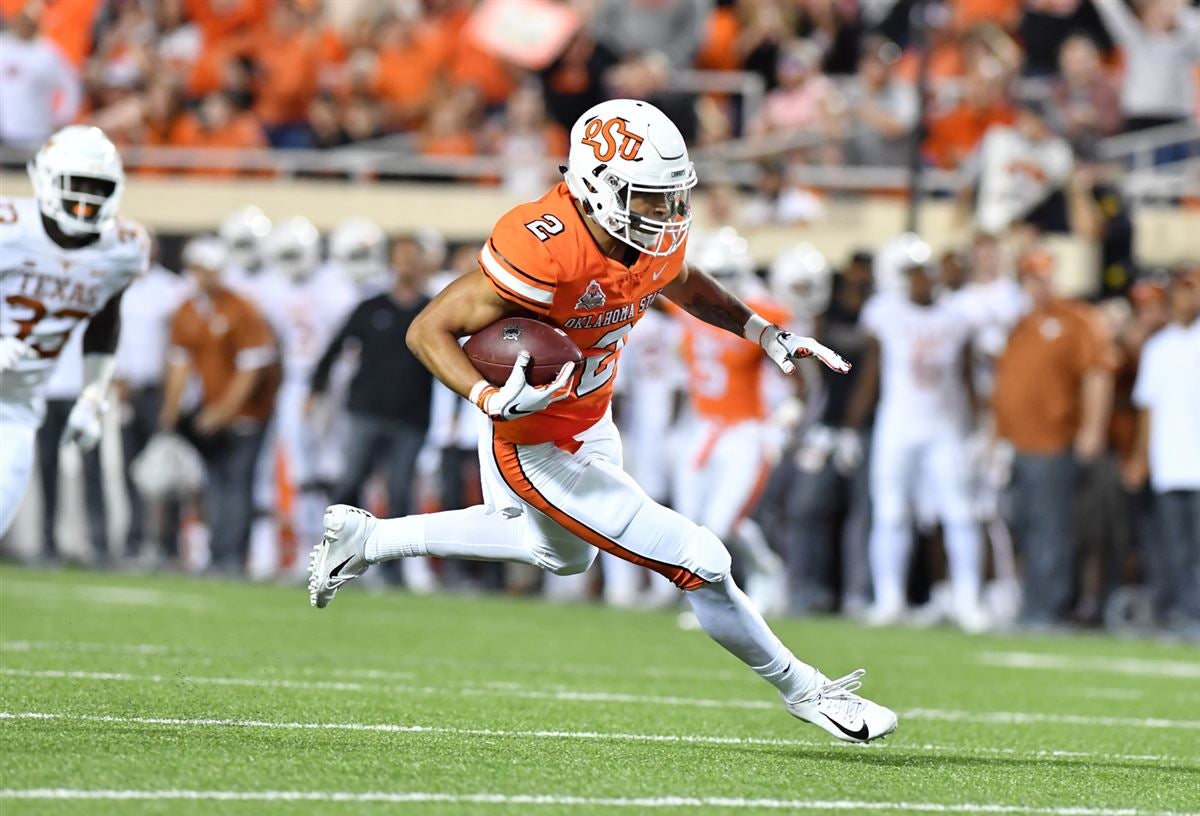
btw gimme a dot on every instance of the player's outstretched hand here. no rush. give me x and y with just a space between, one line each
517 398
84 422
12 351
786 348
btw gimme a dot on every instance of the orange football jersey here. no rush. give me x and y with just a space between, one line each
542 256
724 370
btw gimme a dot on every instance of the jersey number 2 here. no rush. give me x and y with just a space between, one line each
593 375
545 226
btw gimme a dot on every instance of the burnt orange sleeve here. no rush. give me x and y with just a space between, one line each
518 265
183 334
250 329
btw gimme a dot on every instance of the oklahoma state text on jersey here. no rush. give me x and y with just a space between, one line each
724 370
542 257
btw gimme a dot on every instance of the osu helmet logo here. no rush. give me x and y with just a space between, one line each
602 137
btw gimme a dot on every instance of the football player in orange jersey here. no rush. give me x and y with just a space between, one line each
724 463
590 257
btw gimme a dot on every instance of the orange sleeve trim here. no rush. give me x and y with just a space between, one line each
509 464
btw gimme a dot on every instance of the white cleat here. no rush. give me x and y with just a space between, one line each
878 614
340 556
834 706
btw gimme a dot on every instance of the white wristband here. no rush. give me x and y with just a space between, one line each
477 391
755 327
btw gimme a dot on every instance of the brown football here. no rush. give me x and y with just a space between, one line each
493 350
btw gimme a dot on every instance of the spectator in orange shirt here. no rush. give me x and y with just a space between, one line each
448 131
218 19
162 111
218 124
719 48
407 71
285 58
955 135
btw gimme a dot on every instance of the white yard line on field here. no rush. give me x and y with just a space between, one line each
592 669
557 800
1142 667
119 595
77 646
254 682
1102 693
602 736
568 695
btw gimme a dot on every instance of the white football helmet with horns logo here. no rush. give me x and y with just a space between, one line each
60 172
625 149
359 246
294 248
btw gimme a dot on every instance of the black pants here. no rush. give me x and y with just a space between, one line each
375 442
1043 492
828 523
1179 513
230 457
49 439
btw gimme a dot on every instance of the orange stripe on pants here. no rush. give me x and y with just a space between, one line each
509 464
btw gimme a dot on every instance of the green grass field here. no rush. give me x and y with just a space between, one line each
124 695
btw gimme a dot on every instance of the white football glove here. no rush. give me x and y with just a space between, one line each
786 348
12 351
84 426
517 398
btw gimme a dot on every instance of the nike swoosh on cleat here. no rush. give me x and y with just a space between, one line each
333 573
860 734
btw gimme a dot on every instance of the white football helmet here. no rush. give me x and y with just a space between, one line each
800 278
724 255
206 252
72 155
243 232
895 258
624 149
359 247
294 248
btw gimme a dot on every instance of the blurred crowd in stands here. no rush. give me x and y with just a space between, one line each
312 74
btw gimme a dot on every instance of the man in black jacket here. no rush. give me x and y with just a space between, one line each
389 395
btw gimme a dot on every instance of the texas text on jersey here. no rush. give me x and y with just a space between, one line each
45 290
542 257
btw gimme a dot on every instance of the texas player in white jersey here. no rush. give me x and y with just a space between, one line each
920 438
723 460
304 305
65 258
244 233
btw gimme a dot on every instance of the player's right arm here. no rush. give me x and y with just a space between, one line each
464 307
